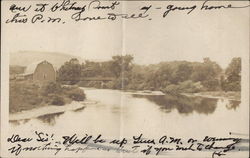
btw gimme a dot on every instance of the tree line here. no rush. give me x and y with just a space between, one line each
169 77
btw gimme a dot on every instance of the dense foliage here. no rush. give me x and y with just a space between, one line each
169 77
232 82
70 71
26 95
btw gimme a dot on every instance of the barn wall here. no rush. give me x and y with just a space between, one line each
44 72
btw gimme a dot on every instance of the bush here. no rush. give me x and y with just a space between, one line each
57 100
190 87
23 96
95 84
172 89
110 85
233 86
34 100
76 94
51 88
26 95
183 87
211 85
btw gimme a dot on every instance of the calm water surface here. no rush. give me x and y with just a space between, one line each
124 113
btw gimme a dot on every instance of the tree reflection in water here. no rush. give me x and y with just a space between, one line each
233 104
50 118
19 122
186 105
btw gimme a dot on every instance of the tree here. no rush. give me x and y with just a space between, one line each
233 71
183 72
233 76
121 64
70 71
91 69
208 73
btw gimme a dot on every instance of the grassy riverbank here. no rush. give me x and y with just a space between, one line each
221 94
27 95
186 88
49 110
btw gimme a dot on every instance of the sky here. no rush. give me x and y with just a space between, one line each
220 35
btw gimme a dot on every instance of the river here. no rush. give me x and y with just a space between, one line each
126 114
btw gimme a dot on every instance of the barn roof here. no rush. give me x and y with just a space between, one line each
30 69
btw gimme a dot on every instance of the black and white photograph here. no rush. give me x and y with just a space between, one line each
125 79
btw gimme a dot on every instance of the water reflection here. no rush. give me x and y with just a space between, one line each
133 110
233 104
117 112
50 118
187 105
19 122
79 110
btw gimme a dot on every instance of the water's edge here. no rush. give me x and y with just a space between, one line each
49 109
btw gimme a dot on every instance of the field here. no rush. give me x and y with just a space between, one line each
27 95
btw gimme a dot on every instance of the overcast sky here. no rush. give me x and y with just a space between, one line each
220 35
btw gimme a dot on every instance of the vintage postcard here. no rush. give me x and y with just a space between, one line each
124 79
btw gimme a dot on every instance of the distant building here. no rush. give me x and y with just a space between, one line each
40 71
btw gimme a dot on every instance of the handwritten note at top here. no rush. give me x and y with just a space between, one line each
84 11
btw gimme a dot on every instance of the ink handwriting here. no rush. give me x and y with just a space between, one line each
81 143
96 10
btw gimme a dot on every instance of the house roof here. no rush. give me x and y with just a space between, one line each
30 69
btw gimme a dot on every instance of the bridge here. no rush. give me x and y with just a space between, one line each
103 79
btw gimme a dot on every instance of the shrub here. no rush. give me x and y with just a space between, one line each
211 85
95 84
172 89
76 94
190 87
183 87
26 95
231 86
23 96
34 100
110 85
51 88
57 100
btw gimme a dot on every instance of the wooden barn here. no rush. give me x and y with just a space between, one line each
40 71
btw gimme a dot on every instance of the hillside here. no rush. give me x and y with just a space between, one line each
24 58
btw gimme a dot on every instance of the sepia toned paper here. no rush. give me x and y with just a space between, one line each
124 78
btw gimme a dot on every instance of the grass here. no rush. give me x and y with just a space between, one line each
27 95
234 95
